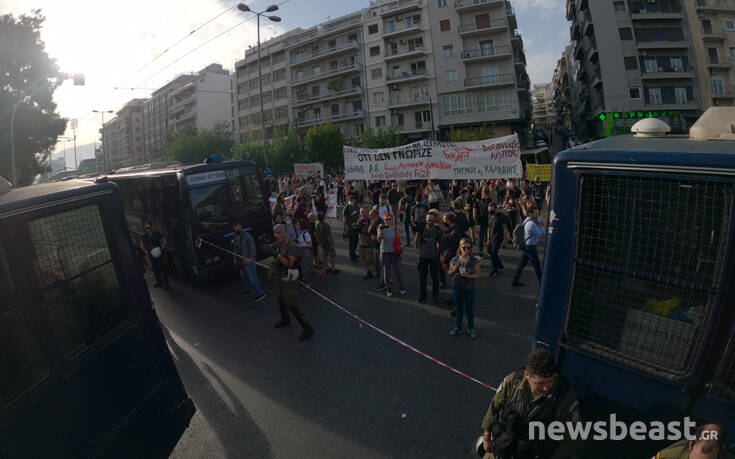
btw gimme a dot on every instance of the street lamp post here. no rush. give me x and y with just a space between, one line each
244 8
102 144
64 140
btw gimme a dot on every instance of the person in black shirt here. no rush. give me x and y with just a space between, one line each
496 235
154 244
320 204
481 217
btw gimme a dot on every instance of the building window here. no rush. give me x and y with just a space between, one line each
457 104
619 5
631 63
376 74
718 85
352 37
373 28
680 95
654 96
732 51
445 25
380 121
729 24
441 3
634 93
378 97
626 33
374 51
448 50
450 76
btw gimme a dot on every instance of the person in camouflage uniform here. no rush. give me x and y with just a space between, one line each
535 393
703 447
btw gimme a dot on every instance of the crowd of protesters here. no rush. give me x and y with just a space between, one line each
452 224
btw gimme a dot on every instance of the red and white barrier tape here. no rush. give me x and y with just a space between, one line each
361 321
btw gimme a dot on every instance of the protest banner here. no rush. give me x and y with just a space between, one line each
429 159
308 169
543 171
332 205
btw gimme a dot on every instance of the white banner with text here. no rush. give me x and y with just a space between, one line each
308 169
429 159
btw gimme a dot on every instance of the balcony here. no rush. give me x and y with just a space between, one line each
596 79
419 126
400 54
306 122
663 44
472 5
322 31
181 116
476 28
400 29
485 54
644 15
408 100
410 75
663 73
519 60
592 53
400 7
678 105
723 94
714 6
504 79
326 96
713 35
516 40
306 57
715 62
511 14
329 73
181 102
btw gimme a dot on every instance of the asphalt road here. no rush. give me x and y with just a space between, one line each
349 391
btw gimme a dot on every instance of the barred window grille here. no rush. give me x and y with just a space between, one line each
649 258
80 292
724 384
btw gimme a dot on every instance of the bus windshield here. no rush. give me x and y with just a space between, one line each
246 189
211 207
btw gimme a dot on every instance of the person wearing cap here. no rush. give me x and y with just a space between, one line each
244 245
427 240
154 245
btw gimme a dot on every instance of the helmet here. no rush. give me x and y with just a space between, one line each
156 252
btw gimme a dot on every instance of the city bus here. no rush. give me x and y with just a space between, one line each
188 202
638 294
85 370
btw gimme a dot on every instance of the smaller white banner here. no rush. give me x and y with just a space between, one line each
332 205
308 169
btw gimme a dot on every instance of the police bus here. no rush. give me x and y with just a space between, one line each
638 295
188 202
84 368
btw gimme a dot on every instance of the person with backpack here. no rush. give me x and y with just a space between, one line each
461 220
306 258
466 268
481 217
526 238
350 216
405 206
427 240
390 254
418 215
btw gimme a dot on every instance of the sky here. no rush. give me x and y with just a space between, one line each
113 43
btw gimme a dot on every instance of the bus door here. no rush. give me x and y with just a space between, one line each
85 357
211 217
250 207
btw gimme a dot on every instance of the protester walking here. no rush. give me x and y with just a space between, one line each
532 231
405 207
427 240
390 246
306 257
154 245
481 217
323 234
466 268
497 235
244 245
350 217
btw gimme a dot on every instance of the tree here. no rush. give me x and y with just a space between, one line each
28 75
382 138
324 144
474 133
192 146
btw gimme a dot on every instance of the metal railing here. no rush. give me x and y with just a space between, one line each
486 52
466 3
322 52
305 78
404 99
482 25
388 53
488 80
407 74
329 118
326 95
402 28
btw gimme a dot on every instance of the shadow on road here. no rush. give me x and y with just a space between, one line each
232 429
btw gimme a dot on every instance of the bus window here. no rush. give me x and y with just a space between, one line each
211 207
21 360
76 276
647 269
245 188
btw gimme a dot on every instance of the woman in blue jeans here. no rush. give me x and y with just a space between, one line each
467 269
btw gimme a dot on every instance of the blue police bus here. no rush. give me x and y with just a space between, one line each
638 297
84 368
186 202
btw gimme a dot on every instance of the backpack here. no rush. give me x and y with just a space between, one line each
519 235
419 214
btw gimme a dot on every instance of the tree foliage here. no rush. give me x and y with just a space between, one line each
474 133
323 143
284 149
28 75
382 138
192 146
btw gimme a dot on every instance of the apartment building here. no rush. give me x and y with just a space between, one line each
561 89
641 63
542 101
422 66
207 99
713 37
155 117
122 136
